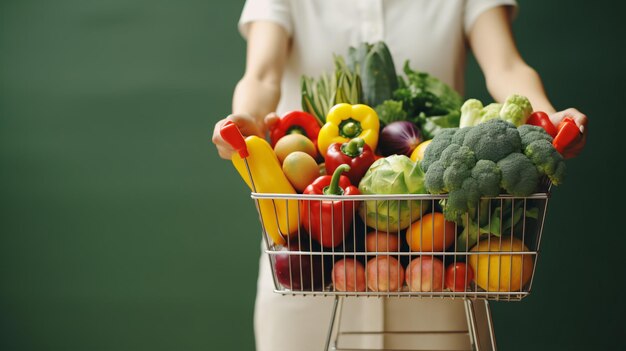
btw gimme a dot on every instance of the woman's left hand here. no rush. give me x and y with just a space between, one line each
581 121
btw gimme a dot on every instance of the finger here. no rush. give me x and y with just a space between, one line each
223 148
247 124
271 119
226 154
579 118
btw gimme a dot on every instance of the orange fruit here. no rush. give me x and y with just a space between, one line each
501 272
431 233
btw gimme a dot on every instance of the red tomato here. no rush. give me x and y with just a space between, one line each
455 276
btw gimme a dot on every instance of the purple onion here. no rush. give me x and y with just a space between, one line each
399 138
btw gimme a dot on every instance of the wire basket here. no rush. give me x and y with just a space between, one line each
408 262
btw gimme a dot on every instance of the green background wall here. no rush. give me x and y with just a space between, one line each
120 229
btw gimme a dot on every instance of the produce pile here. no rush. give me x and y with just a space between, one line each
366 130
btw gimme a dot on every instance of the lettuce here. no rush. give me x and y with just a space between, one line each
395 174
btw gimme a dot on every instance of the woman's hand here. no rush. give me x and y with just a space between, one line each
248 125
581 121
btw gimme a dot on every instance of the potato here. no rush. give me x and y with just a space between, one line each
294 142
425 274
384 273
301 169
349 275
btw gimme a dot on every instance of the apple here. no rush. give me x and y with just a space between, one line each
425 273
300 272
349 275
384 273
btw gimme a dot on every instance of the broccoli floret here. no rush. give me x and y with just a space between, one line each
493 140
488 176
436 147
458 161
456 205
483 180
520 177
459 136
433 180
516 109
530 133
547 160
453 177
470 113
490 112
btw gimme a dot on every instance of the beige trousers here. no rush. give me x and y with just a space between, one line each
290 323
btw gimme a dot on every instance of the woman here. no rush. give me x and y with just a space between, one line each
289 38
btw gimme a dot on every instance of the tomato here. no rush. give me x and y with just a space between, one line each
455 276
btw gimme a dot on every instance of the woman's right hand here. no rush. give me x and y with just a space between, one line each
248 125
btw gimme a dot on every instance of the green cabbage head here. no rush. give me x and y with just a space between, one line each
395 174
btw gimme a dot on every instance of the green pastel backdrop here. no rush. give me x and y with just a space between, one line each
121 229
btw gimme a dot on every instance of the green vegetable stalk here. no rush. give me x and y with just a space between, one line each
494 217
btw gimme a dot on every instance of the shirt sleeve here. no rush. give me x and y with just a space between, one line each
277 11
475 8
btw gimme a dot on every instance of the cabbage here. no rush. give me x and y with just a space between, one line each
395 174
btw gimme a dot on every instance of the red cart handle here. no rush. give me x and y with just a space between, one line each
231 134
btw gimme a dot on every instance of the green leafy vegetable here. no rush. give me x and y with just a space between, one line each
395 174
429 102
390 111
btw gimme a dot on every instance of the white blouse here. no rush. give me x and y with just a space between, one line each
429 33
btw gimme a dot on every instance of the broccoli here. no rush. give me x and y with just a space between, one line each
454 165
436 147
470 113
483 180
433 179
519 175
473 113
530 133
537 146
459 136
547 160
487 175
476 162
493 140
516 109
490 112
456 205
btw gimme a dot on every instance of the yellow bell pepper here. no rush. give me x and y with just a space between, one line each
279 217
345 122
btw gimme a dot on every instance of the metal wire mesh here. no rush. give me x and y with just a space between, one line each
393 245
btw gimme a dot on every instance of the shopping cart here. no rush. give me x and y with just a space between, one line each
498 246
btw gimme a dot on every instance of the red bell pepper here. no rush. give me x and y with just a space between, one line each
295 122
541 119
354 153
328 221
567 135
